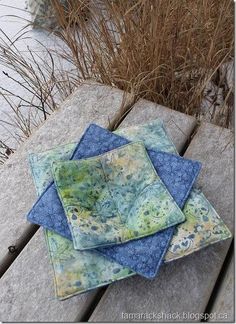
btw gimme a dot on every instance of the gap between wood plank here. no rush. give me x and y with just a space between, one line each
189 139
15 250
219 280
87 314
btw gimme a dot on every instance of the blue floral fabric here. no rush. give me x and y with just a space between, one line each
144 255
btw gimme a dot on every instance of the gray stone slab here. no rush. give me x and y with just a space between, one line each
183 287
90 103
179 126
224 300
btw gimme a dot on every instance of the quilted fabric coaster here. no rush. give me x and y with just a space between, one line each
74 271
203 226
114 198
48 211
152 247
152 134
68 269
156 128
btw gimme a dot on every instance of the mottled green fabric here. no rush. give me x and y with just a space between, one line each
152 134
79 271
74 271
41 163
114 198
202 227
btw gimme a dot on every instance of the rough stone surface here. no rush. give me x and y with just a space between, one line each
90 103
179 126
184 285
224 301
27 292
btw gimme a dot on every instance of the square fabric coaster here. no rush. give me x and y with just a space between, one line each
70 276
114 198
48 211
153 135
74 271
203 226
153 248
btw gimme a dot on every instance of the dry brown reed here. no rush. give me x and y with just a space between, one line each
41 87
164 51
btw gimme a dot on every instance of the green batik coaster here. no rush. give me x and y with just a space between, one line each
114 197
74 271
152 134
41 163
79 271
203 226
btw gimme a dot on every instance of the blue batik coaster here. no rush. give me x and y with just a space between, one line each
143 256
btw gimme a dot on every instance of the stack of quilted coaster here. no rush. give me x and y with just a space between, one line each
119 204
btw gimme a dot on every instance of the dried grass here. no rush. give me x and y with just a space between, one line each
41 87
165 51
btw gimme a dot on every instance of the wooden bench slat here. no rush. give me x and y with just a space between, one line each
26 289
184 285
91 102
27 292
179 125
224 300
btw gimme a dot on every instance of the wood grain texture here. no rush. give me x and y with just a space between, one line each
224 300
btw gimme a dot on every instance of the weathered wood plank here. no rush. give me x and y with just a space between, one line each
224 300
26 289
17 193
179 126
183 287
27 292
